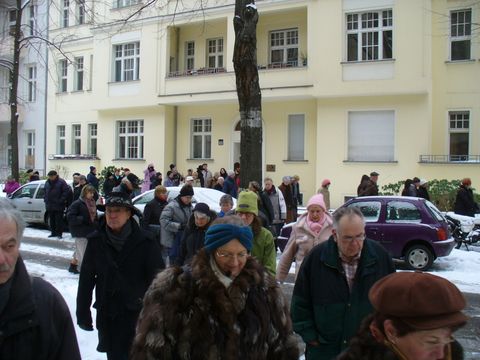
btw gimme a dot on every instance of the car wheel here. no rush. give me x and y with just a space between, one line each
419 257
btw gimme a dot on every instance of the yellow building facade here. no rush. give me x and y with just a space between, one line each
348 87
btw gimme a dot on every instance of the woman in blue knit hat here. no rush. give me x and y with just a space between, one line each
224 305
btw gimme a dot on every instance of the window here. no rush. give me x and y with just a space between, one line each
80 12
92 139
370 209
61 139
127 62
123 3
201 138
31 20
130 139
4 85
32 83
76 139
459 125
63 71
30 149
12 17
65 12
296 137
284 47
460 34
370 35
401 211
79 73
371 136
215 53
190 55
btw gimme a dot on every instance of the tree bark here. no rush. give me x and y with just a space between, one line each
13 97
248 91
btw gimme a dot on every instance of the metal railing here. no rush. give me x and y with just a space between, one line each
450 158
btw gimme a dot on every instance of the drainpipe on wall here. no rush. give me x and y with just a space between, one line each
175 126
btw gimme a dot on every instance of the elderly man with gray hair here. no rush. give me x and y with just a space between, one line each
35 322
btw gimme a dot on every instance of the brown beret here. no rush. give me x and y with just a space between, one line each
421 300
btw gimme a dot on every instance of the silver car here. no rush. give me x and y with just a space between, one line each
29 200
211 197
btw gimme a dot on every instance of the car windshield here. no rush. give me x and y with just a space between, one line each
433 209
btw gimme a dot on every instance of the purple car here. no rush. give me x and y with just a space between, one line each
409 228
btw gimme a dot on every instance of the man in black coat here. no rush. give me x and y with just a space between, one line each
35 322
58 195
153 210
92 178
464 201
120 262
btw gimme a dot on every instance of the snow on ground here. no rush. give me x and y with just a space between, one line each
461 267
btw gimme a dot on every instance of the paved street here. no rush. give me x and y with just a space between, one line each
57 253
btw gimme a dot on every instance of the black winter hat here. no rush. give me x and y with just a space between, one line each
187 190
202 208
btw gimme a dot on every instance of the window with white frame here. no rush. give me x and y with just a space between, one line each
371 135
215 53
65 13
79 73
201 130
4 88
190 55
30 149
460 34
370 35
76 139
130 139
127 61
80 12
32 83
63 75
296 137
92 139
123 3
61 139
459 131
284 47
31 19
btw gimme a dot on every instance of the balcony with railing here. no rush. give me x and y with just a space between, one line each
450 159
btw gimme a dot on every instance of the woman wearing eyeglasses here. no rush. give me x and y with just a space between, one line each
415 316
224 305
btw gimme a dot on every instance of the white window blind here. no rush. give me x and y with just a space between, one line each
296 137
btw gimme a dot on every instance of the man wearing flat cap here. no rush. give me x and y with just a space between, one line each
120 262
415 317
330 298
224 305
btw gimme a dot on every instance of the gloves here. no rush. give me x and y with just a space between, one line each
86 327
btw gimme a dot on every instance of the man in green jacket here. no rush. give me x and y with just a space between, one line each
330 297
263 244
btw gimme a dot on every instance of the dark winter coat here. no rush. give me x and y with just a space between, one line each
120 280
93 180
367 188
265 206
422 192
152 211
58 195
193 240
364 347
36 322
108 186
79 220
189 314
323 307
230 187
464 202
77 191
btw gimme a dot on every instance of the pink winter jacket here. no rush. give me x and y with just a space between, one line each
301 241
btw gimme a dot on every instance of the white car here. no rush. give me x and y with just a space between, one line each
211 197
29 200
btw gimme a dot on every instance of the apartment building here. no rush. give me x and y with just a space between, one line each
348 87
31 85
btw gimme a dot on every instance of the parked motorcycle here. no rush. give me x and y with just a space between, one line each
465 229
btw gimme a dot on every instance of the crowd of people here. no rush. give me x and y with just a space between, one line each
185 282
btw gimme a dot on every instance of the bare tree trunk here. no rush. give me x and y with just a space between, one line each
14 74
248 91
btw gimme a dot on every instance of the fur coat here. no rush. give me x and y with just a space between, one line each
189 314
